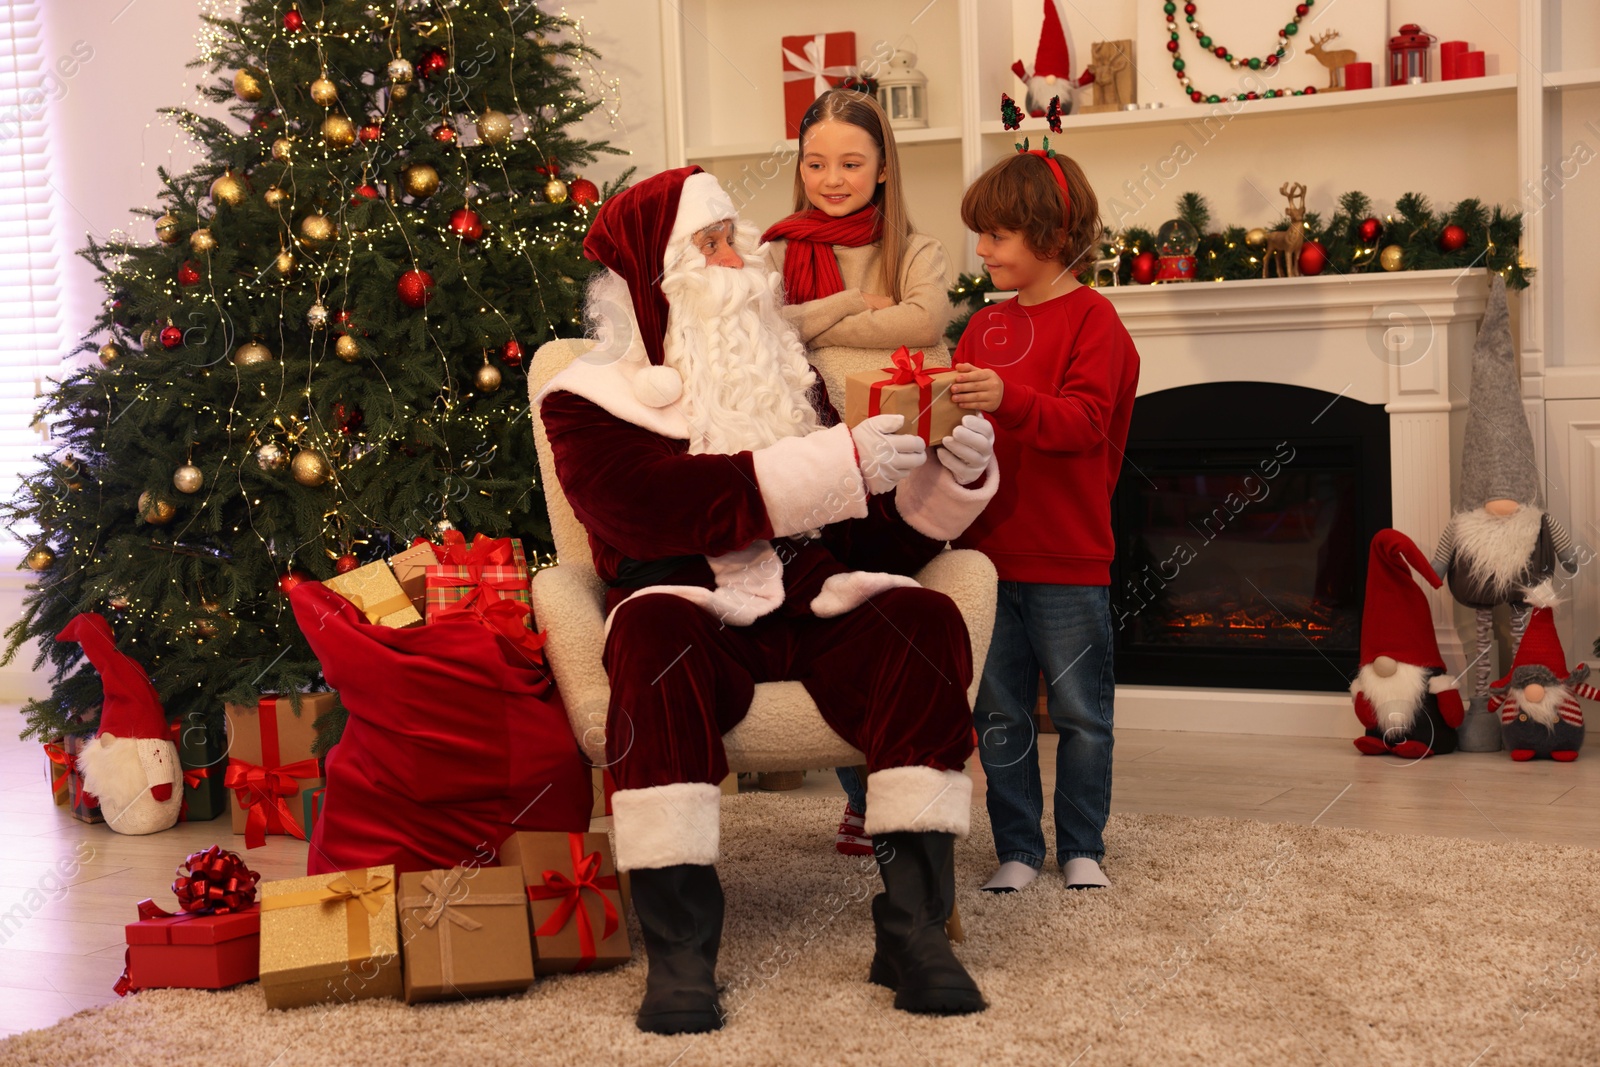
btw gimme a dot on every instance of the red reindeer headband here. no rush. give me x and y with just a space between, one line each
1048 154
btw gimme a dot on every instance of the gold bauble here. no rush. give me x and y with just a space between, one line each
281 149
251 354
555 191
274 196
338 131
399 92
487 379
155 512
167 230
421 180
209 627
1256 237
347 348
284 263
271 457
400 71
40 558
317 228
493 126
310 468
229 190
246 86
202 243
1392 258
110 353
188 479
324 92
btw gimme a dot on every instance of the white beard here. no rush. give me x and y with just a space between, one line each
121 773
1546 712
746 380
1496 549
1396 699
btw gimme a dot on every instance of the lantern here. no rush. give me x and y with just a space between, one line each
903 92
1178 243
1408 56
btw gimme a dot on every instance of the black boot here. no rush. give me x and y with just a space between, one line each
913 957
680 911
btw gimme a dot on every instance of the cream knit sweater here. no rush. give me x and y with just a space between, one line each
844 335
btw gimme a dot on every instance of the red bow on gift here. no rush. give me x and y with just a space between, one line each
569 891
487 551
214 881
907 369
66 764
260 791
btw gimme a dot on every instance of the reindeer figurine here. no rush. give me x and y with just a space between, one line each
1335 61
1287 243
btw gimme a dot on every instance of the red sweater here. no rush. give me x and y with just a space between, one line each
1070 372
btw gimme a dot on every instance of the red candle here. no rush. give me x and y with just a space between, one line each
1450 53
1358 75
1470 65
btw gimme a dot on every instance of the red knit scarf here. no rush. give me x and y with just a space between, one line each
810 269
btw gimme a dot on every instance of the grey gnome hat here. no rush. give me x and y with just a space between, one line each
1497 457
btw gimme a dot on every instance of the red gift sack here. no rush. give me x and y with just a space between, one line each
454 741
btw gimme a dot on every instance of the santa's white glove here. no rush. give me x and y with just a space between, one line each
968 449
886 456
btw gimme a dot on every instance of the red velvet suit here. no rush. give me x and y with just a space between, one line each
889 676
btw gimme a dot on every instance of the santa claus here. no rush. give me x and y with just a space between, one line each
1403 696
1537 700
746 536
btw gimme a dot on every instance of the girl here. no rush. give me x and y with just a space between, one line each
859 281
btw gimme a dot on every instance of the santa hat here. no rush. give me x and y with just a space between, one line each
1395 620
1497 457
1541 645
131 707
1052 57
636 231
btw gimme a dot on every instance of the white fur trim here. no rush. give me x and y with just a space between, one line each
666 825
811 481
848 591
1396 699
1542 595
935 505
701 203
656 387
918 799
749 585
1495 549
120 773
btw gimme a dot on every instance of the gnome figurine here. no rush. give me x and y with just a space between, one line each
1501 541
132 765
1403 696
1051 74
1537 700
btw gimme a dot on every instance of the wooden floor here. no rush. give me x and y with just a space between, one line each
67 889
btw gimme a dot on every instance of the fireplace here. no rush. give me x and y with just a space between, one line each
1242 517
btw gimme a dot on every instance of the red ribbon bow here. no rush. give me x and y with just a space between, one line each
260 791
486 551
214 882
557 886
908 369
67 767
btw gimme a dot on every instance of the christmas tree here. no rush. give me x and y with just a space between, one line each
319 356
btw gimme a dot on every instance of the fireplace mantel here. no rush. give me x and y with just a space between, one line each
1402 340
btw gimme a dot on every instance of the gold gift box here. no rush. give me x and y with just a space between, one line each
465 932
376 593
330 938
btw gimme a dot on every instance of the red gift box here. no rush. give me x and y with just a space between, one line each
813 64
189 951
487 581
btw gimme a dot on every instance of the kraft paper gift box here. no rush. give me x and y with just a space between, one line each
270 761
411 571
574 898
59 767
81 804
188 951
813 63
921 394
330 938
465 932
376 593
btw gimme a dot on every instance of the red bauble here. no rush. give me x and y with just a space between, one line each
1453 239
1371 230
348 418
415 288
263 119
293 578
433 61
370 132
465 224
292 20
341 319
187 275
1313 259
345 564
1145 267
511 353
445 134
583 192
365 192
171 337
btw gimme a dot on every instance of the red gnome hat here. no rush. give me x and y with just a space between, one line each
1540 645
1052 56
1395 620
131 707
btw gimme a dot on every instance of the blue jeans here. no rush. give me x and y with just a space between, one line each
855 789
1066 631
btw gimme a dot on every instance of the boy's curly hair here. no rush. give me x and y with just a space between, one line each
1020 194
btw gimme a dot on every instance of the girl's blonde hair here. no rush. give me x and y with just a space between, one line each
888 199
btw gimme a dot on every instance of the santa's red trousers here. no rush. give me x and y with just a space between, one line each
889 677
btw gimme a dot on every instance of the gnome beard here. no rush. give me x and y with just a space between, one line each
1396 699
138 782
746 381
1496 549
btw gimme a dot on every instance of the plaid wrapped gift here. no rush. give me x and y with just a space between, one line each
474 577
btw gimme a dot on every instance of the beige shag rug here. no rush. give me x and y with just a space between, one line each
1221 942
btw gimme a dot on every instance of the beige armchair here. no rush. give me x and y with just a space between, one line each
784 730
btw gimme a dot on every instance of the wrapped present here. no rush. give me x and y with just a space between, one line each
66 780
311 807
58 767
270 761
921 394
330 938
575 899
604 786
213 941
203 754
411 571
375 591
465 931
487 580
813 64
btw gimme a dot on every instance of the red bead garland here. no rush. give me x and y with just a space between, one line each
1179 66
